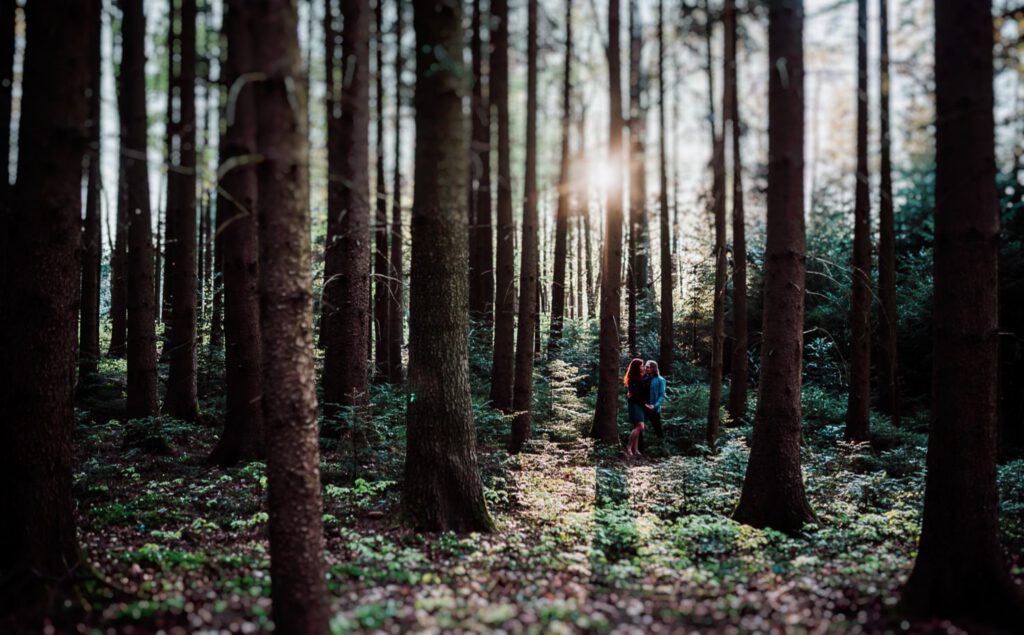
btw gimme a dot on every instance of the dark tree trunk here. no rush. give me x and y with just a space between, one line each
637 270
857 423
396 287
481 257
666 353
92 236
442 489
564 194
960 571
505 288
118 262
718 206
181 398
738 383
298 589
888 378
380 225
142 377
38 545
347 266
217 279
8 8
242 438
605 427
773 489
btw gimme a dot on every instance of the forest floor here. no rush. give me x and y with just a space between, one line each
586 540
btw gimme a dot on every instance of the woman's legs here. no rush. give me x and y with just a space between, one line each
634 438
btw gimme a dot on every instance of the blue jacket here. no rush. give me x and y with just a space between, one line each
657 392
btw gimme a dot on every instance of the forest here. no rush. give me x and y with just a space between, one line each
544 316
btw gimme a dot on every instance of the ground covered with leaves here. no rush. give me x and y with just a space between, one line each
587 540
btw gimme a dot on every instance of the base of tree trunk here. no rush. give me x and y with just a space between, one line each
973 594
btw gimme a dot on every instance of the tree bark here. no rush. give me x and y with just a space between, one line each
564 194
142 375
39 549
960 571
718 207
396 286
92 232
505 289
666 353
382 362
773 489
738 381
605 427
298 588
347 256
481 258
637 182
118 263
8 8
442 489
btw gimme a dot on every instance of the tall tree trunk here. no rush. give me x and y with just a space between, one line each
181 398
142 377
605 427
217 280
773 489
347 266
396 287
8 8
442 489
888 378
564 194
666 353
505 288
92 233
738 382
857 423
38 545
529 281
298 589
237 204
481 257
718 206
960 570
637 183
380 225
118 261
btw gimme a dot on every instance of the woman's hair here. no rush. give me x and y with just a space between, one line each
633 371
653 364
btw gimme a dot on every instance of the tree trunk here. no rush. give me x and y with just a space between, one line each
8 8
481 258
718 206
396 287
505 289
637 182
738 382
347 265
666 353
217 280
118 264
39 550
298 589
242 438
380 226
773 489
92 236
181 400
142 376
564 193
605 427
960 571
442 489
888 378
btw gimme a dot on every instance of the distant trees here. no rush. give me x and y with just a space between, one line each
558 294
665 354
382 361
92 232
721 274
395 283
481 234
637 245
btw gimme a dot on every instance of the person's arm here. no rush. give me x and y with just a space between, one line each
659 395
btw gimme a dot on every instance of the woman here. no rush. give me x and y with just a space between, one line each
656 396
637 396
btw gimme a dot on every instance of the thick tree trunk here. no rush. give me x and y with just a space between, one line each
181 398
529 281
718 207
347 264
666 353
39 550
888 378
857 416
92 236
481 257
442 489
605 427
505 288
242 438
637 172
773 489
382 362
298 589
564 194
960 570
396 287
118 263
142 376
738 381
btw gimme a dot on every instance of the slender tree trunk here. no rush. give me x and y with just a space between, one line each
564 194
505 290
718 205
298 589
8 8
380 226
217 281
481 275
346 270
960 570
442 489
395 282
589 256
888 378
738 383
773 489
637 183
92 232
242 438
39 550
605 427
181 400
142 377
159 242
666 353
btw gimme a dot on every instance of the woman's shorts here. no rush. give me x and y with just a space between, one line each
636 413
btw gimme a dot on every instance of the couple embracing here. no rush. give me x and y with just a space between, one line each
645 390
